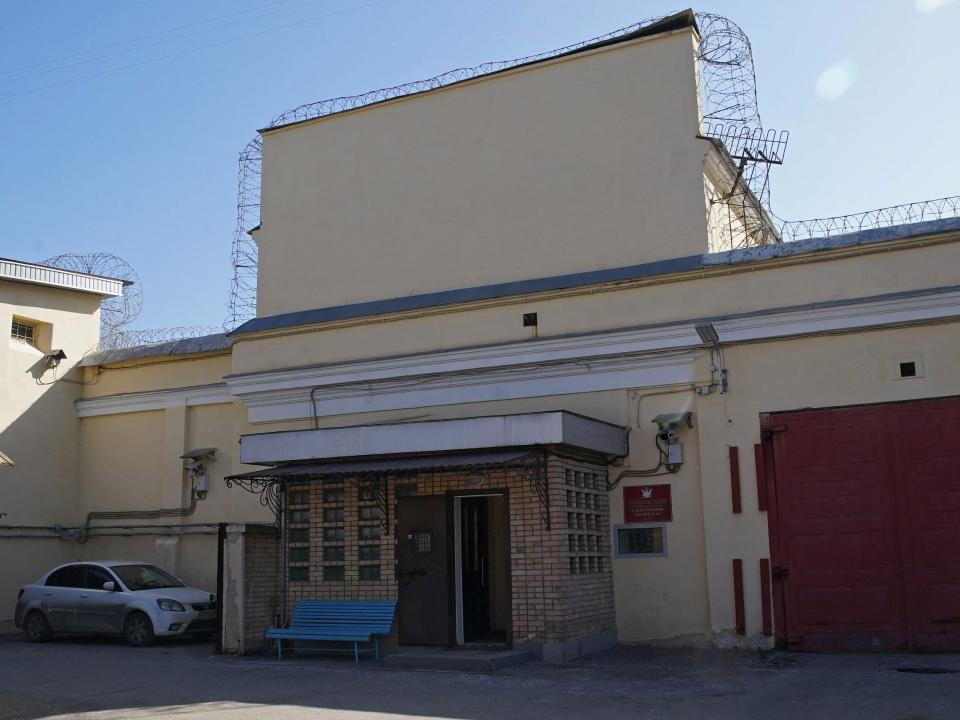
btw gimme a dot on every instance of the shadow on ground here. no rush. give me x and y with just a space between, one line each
103 678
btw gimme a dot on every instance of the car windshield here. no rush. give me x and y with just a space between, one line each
145 577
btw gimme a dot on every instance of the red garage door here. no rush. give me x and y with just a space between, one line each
865 526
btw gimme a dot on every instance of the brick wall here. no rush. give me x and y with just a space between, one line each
561 582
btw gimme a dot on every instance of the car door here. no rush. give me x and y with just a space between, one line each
99 610
61 594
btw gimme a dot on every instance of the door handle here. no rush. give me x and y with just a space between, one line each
84 596
49 594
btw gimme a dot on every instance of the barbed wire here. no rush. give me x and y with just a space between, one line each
937 209
115 312
123 338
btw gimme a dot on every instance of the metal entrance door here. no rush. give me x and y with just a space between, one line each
865 526
422 571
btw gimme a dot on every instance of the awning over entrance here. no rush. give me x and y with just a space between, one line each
460 435
389 466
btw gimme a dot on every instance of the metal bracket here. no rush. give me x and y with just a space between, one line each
535 472
377 485
268 490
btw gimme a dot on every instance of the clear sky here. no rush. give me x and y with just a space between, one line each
141 161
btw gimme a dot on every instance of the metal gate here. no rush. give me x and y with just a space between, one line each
865 525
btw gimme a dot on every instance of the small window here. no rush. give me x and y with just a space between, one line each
369 532
70 576
369 552
333 573
333 495
333 514
646 540
422 541
23 331
332 533
299 517
299 535
96 577
299 574
298 497
370 513
299 554
334 553
369 572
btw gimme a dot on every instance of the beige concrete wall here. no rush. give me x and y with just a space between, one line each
782 282
163 373
38 426
575 164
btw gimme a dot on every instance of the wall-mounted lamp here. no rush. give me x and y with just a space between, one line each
475 479
54 357
201 483
6 461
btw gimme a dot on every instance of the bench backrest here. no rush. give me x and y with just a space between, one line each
374 614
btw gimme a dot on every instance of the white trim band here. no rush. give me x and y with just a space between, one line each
155 400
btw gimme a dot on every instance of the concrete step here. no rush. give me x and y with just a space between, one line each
465 660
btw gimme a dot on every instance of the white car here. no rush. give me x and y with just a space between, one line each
135 599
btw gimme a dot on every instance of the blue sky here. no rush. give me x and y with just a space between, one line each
142 161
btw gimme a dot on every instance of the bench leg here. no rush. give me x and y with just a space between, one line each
356 652
279 649
376 648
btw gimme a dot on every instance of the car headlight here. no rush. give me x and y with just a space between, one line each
170 605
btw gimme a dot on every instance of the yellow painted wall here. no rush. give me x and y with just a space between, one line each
151 373
38 426
574 164
784 282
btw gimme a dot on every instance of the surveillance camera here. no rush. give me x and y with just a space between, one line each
669 422
194 466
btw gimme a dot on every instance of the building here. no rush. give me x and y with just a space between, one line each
501 371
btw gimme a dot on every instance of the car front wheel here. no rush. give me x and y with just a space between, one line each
36 627
138 630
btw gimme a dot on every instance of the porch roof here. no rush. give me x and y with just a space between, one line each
391 466
427 438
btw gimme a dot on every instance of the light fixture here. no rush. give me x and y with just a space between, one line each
5 461
53 358
475 479
708 333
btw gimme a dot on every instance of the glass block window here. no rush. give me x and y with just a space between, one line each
333 495
333 553
369 513
369 553
299 554
369 572
298 535
333 573
299 574
333 534
298 496
333 514
22 331
370 532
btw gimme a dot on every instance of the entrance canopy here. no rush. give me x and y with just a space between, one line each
489 433
390 466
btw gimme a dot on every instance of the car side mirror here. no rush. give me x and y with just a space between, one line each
110 585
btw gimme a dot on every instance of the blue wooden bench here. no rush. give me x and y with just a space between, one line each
351 621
